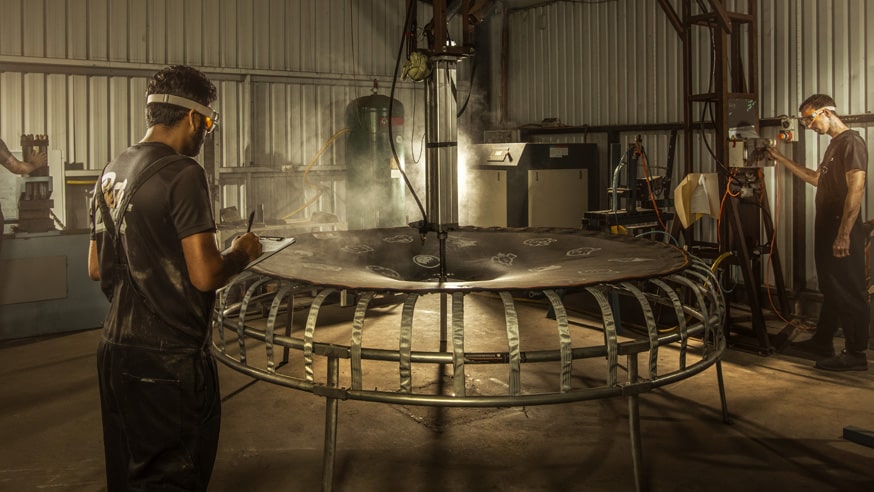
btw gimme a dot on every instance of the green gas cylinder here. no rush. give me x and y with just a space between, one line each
374 186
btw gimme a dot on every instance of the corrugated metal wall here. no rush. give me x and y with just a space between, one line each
620 62
594 64
285 72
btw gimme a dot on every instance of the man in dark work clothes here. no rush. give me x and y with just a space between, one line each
159 264
839 237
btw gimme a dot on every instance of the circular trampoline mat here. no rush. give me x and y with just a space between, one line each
397 259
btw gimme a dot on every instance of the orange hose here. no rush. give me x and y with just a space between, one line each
649 187
306 180
773 243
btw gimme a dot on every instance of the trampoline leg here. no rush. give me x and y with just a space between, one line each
634 426
331 407
285 350
726 418
444 322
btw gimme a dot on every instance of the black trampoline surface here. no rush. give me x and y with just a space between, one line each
397 259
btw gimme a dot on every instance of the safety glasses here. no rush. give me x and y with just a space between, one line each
211 116
809 118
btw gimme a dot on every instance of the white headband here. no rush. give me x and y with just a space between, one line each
185 103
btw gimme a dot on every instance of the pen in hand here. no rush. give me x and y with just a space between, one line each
251 219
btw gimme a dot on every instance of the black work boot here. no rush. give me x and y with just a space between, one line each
845 361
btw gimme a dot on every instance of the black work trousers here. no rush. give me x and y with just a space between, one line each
161 418
843 286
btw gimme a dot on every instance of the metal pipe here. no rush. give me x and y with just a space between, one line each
634 425
726 418
441 238
615 198
441 130
331 411
52 66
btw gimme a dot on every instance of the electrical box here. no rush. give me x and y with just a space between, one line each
788 130
750 152
530 184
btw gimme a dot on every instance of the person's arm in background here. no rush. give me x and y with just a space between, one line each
20 167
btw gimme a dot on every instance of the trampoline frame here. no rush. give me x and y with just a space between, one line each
694 295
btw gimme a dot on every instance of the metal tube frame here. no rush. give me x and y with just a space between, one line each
694 294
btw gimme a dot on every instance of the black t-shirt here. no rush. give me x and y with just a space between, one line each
156 306
845 152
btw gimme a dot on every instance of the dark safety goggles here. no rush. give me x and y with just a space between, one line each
210 115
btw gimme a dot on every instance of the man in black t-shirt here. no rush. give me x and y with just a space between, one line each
839 237
153 248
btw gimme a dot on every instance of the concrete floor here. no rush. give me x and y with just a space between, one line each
786 430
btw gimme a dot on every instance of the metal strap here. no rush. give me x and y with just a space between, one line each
220 316
357 331
271 324
714 289
682 330
406 344
702 306
310 331
564 339
703 278
609 333
458 380
223 301
515 377
651 327
286 350
241 321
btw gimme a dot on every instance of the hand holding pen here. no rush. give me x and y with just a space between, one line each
251 220
248 241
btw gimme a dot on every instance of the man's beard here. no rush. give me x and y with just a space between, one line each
193 146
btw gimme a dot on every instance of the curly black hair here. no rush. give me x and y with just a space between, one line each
177 80
817 101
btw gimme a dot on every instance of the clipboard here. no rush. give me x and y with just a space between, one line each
270 245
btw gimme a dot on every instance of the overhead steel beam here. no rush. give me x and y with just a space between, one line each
721 15
673 18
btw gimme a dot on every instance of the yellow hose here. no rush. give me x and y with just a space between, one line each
719 259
